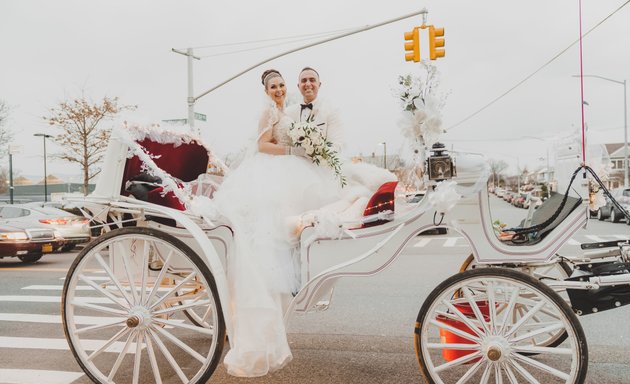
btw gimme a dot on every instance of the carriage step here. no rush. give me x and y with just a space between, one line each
589 301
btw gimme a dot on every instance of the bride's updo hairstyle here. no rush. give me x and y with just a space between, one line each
268 75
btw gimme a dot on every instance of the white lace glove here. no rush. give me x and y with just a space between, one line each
296 151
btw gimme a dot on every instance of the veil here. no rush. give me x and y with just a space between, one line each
269 116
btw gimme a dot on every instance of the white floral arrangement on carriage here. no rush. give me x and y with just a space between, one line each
308 136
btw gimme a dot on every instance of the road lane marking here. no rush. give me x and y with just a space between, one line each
56 319
93 278
594 238
572 241
422 243
77 288
61 344
36 376
450 241
53 299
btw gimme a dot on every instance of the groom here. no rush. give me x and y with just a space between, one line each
323 115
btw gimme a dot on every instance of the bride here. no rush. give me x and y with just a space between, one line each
258 198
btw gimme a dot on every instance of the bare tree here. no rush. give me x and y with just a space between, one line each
5 133
496 168
83 139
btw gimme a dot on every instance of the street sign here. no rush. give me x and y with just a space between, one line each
15 149
176 121
200 116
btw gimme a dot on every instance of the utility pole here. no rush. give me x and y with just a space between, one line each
44 136
191 96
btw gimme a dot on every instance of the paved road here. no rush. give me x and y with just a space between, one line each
365 337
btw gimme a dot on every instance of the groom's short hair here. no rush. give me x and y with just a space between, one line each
310 69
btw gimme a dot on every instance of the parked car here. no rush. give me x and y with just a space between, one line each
520 199
27 242
499 192
73 228
622 196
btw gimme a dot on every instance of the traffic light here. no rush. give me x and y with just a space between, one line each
412 45
435 42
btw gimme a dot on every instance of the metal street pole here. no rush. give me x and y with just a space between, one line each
384 144
625 125
10 177
44 136
191 96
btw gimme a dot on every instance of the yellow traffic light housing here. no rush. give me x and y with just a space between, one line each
412 45
435 42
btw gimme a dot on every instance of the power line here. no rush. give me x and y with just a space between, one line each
265 46
538 70
270 39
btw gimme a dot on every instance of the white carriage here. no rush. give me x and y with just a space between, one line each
148 301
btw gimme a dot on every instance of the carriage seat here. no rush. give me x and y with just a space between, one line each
545 211
382 200
185 162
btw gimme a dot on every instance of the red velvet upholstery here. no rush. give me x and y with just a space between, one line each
184 162
168 200
382 200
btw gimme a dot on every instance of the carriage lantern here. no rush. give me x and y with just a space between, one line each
440 164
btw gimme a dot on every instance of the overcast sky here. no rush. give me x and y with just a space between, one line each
54 50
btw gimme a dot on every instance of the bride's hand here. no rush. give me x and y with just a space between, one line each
297 151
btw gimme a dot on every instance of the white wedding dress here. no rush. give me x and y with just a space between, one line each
258 198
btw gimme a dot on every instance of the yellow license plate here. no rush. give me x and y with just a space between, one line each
47 248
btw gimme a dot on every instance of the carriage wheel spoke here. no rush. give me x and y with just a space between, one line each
486 374
528 376
137 358
180 344
178 308
456 331
463 318
111 275
476 311
111 341
525 318
471 371
492 309
98 327
536 332
509 373
99 308
458 361
169 357
203 330
121 356
153 360
540 350
498 375
543 367
160 277
98 288
459 347
145 270
173 290
125 258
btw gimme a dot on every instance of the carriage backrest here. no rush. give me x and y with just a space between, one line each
184 162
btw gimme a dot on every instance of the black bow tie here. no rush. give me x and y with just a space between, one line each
304 106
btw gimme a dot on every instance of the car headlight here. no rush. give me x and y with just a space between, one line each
13 236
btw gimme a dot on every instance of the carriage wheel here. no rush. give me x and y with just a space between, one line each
543 272
481 326
123 313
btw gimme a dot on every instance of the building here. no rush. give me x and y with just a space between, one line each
616 154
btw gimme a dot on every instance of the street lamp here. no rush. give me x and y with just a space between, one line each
384 144
625 125
44 136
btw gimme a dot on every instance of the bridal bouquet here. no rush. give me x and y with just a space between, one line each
308 136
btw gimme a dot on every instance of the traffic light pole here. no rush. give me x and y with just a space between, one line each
191 96
359 30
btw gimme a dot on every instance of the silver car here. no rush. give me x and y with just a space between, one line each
73 228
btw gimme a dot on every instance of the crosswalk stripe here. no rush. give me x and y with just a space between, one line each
60 344
56 319
422 243
36 376
572 241
53 299
450 241
594 238
93 278
77 288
